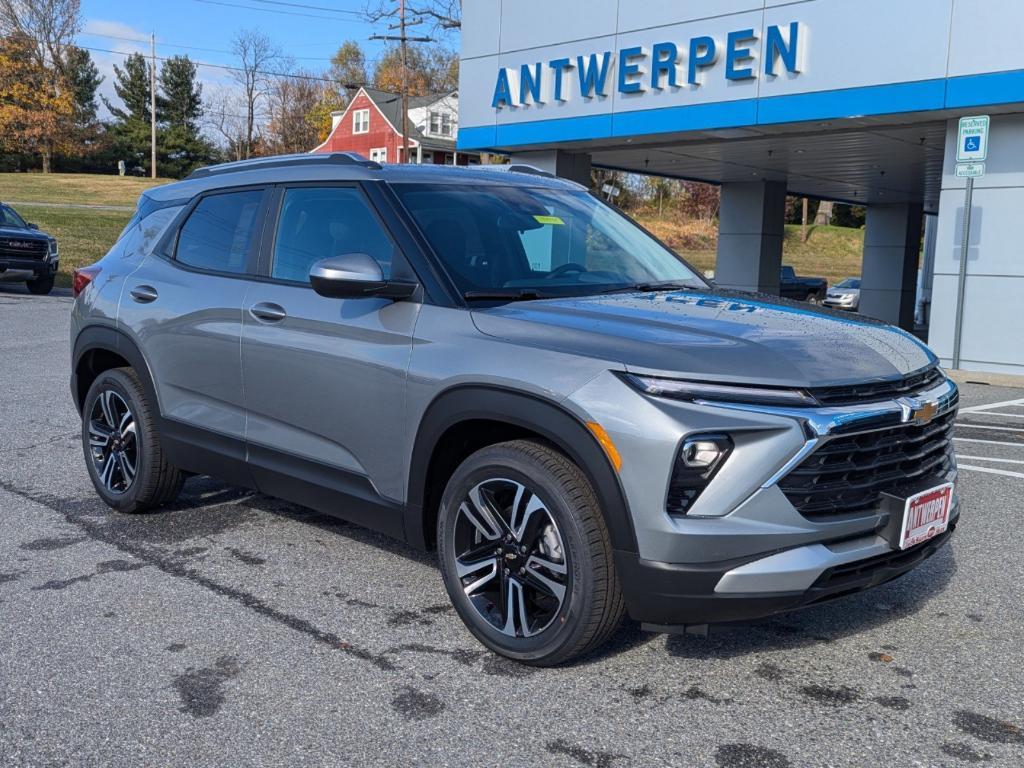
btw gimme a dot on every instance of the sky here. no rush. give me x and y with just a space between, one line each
309 31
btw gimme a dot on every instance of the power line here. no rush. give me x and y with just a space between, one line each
290 75
193 47
311 7
273 10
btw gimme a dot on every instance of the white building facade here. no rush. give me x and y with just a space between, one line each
856 102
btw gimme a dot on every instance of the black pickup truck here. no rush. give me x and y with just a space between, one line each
810 289
26 253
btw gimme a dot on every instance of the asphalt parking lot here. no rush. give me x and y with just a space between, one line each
237 630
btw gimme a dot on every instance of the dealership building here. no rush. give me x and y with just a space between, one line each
854 102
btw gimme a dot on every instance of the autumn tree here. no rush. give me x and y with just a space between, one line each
348 68
34 109
43 32
432 70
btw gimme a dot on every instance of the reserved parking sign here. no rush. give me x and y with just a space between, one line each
972 145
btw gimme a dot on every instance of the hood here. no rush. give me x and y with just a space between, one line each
24 234
844 291
713 335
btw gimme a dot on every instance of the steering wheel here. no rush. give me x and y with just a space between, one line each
565 269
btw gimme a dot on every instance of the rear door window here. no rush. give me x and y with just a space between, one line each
221 231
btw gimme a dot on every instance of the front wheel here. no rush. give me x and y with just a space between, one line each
526 556
40 286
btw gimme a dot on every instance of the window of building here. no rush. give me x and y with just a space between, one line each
361 121
220 232
321 222
379 155
441 124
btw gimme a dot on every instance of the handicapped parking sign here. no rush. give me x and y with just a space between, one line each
973 144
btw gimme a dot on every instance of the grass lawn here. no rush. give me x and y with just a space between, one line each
79 188
830 252
84 236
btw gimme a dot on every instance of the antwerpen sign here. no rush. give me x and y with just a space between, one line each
638 69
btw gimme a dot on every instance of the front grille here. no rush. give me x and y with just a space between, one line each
873 392
850 473
17 248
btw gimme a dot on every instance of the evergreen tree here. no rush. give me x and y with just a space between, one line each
84 80
132 85
182 93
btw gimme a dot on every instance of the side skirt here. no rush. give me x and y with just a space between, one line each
328 490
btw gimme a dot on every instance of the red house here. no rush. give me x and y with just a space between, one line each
372 126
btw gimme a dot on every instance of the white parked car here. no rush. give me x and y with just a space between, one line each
844 295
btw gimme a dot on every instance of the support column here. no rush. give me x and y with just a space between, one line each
566 165
751 228
892 248
931 222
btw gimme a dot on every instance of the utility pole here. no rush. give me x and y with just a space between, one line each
404 40
152 105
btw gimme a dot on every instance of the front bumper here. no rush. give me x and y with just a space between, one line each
744 551
35 267
669 597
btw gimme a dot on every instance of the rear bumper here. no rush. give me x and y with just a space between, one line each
671 597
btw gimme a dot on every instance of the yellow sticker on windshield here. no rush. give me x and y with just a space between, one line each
549 220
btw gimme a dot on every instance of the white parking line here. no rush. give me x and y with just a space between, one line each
987 458
988 442
990 471
988 426
991 406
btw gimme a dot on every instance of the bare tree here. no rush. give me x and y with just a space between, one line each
445 14
293 101
51 26
225 115
257 58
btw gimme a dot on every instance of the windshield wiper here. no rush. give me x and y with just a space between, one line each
511 294
652 287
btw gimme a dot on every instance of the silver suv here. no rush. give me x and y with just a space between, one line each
495 363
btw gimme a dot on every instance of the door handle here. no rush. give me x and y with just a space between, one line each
268 313
144 294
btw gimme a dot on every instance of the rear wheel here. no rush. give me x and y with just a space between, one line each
122 448
41 286
525 554
813 298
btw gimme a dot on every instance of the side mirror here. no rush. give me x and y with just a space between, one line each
33 226
356 276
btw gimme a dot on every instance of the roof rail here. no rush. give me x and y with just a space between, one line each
284 161
532 170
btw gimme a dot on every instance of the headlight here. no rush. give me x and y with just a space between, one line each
53 247
679 389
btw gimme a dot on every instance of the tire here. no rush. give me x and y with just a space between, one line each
555 537
139 479
41 286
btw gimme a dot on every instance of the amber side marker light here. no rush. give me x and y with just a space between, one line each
606 442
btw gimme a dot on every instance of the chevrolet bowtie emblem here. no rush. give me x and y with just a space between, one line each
923 413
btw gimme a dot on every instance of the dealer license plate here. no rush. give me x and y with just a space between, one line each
926 515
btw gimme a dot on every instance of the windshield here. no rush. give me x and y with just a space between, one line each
8 218
850 282
536 242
